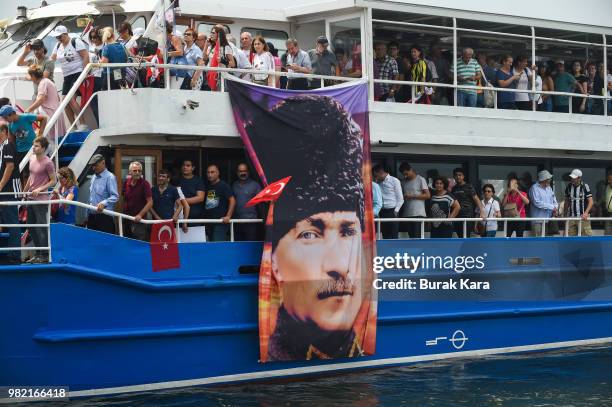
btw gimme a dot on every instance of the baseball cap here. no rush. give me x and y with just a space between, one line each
59 30
544 175
6 110
37 44
322 40
95 159
576 173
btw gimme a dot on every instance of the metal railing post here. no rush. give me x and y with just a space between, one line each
455 60
534 74
465 229
422 229
120 226
606 93
379 229
580 226
506 228
566 228
570 105
543 228
49 232
231 230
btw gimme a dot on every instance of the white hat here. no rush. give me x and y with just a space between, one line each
544 175
59 30
576 173
138 32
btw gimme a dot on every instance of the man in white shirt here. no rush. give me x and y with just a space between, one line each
242 59
393 200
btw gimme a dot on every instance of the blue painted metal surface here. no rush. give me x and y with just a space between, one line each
98 317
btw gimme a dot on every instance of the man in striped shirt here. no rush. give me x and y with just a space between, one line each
392 198
468 73
578 204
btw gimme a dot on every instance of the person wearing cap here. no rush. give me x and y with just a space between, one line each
323 61
298 61
543 201
20 126
103 195
578 204
73 57
39 58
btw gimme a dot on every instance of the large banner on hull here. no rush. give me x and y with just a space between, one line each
315 295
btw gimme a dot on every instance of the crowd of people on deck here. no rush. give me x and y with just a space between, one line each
447 198
510 72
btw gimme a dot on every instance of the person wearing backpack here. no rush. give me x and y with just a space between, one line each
514 206
112 52
73 57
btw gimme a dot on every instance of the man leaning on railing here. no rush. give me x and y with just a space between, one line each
543 202
578 204
103 195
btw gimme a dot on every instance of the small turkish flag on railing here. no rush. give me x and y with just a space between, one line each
211 76
270 193
164 247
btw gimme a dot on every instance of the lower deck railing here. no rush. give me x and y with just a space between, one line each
379 222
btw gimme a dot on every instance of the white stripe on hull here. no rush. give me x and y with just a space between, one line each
333 367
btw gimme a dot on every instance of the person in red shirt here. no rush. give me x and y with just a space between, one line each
137 201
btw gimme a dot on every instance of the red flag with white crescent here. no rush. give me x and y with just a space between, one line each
164 247
270 193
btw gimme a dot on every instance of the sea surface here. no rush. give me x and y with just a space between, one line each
570 377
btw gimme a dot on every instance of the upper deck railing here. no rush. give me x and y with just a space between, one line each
323 81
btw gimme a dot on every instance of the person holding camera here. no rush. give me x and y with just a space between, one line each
223 53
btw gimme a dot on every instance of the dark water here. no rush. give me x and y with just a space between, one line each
575 377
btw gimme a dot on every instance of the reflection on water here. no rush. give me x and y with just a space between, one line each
576 377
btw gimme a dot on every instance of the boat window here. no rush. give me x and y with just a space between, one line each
18 35
206 28
140 22
346 39
429 170
75 31
276 37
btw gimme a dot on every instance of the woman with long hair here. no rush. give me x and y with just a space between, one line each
443 206
47 101
419 73
69 191
225 56
579 104
277 62
113 52
548 85
521 99
262 61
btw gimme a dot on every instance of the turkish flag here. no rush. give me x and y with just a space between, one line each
270 193
211 76
164 247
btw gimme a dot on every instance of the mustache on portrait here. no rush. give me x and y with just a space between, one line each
335 288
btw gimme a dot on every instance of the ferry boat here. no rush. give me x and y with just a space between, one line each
97 320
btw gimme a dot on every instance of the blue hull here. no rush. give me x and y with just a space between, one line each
100 321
